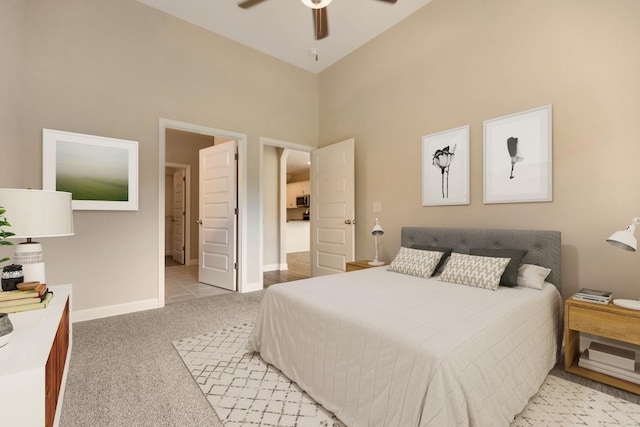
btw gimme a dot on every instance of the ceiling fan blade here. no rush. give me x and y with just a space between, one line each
248 3
320 23
389 1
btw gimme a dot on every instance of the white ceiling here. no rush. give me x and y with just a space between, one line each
284 28
298 162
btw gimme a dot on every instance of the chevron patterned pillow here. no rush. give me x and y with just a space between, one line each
415 262
473 270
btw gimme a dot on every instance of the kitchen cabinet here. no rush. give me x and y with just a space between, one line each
306 188
298 236
295 189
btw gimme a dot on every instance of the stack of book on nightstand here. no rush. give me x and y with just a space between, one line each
592 295
25 299
610 360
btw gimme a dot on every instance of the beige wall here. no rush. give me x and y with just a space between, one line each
184 148
114 68
11 85
271 206
458 62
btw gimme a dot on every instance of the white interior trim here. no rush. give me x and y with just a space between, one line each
164 124
116 310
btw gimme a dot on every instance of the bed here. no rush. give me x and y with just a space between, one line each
380 348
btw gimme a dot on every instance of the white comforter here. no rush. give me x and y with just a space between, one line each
385 349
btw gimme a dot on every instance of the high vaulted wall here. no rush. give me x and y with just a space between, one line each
460 62
115 68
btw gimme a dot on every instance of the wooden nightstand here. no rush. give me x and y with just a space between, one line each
359 265
608 321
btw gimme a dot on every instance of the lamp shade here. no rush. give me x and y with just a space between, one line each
316 4
37 213
623 240
377 229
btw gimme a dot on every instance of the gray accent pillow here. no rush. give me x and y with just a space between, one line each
510 275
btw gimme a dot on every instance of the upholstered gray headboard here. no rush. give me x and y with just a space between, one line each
543 246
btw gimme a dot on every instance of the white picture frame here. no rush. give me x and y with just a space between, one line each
518 152
445 168
101 173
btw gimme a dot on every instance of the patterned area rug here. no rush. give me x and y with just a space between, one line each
244 391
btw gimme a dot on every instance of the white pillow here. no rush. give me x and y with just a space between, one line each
474 270
415 262
532 276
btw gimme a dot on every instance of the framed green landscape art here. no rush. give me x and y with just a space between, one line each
101 173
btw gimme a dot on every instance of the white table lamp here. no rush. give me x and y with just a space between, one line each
33 214
626 240
376 231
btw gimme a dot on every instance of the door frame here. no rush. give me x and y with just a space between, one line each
187 208
283 217
241 138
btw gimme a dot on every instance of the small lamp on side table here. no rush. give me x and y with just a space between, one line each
34 214
376 231
626 240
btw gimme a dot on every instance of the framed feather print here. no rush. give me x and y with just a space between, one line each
518 157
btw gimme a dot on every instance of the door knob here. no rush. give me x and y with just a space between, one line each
347 221
199 221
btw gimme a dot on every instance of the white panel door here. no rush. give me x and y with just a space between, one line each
179 212
332 208
217 217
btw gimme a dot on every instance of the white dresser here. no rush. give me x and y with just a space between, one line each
34 364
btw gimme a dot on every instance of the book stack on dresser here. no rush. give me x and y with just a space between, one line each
30 296
615 361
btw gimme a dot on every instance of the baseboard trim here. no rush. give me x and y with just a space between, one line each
193 262
114 310
270 267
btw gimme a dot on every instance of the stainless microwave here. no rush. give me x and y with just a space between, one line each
302 201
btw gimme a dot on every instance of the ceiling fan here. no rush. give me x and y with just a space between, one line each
319 9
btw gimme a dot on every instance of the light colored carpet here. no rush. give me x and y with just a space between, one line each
124 372
244 390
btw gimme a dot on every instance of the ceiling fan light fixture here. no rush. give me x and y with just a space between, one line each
316 4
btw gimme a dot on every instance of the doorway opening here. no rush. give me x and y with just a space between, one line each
173 130
177 218
281 239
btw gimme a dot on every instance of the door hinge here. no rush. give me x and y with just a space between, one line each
235 156
235 265
184 179
235 211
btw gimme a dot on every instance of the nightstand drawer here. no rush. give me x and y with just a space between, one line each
605 324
